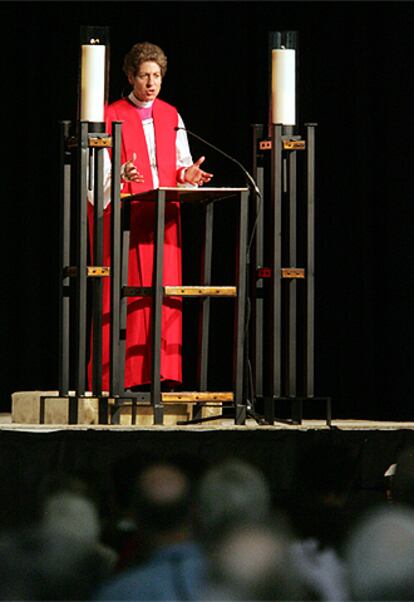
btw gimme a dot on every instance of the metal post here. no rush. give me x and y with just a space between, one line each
239 356
157 298
115 383
258 284
98 261
310 270
206 280
126 235
292 284
204 324
64 260
276 191
81 264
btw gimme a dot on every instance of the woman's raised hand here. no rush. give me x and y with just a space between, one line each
130 173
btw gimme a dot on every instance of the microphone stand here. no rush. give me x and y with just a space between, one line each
250 411
217 149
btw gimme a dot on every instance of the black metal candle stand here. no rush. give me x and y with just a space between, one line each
82 171
283 274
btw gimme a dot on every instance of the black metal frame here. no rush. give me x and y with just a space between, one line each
274 333
206 198
80 153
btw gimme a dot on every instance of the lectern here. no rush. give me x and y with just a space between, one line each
205 198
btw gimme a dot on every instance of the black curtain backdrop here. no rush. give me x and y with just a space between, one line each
356 64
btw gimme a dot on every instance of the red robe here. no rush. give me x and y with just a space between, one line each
138 332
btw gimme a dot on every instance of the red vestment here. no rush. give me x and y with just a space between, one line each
140 272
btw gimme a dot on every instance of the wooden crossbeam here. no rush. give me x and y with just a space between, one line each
185 397
200 291
94 270
182 291
293 273
93 142
293 144
91 271
287 144
98 142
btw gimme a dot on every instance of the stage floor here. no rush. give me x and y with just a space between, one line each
222 424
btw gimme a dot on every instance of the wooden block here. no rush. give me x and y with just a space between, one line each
57 410
210 410
26 408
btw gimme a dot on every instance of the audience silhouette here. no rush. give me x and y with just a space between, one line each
175 566
218 532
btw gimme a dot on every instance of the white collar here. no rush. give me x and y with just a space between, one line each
139 103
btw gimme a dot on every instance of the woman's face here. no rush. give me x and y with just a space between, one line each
147 82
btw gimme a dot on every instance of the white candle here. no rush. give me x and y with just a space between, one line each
92 82
283 86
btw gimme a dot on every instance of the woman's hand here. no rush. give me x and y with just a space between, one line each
195 175
130 173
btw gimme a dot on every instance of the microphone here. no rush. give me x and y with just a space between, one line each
249 177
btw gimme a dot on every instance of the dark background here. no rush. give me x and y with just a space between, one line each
355 66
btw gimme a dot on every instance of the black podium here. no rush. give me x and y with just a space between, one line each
205 198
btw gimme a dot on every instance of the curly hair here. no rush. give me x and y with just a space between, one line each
141 52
